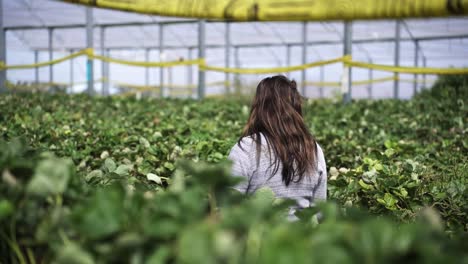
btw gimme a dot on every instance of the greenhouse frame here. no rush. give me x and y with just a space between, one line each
35 31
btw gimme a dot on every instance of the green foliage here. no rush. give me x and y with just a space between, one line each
450 86
106 180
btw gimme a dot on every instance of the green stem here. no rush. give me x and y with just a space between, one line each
212 202
31 256
14 247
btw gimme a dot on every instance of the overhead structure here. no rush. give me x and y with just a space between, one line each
288 10
2 50
257 48
89 44
347 51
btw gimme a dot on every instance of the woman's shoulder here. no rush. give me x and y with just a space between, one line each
319 148
246 142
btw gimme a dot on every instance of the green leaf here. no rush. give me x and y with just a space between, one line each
102 214
72 253
389 152
264 195
160 255
364 185
388 201
169 166
95 174
51 176
123 170
6 208
144 142
110 164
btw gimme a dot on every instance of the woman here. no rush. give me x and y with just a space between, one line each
276 150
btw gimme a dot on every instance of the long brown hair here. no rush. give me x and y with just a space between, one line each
277 114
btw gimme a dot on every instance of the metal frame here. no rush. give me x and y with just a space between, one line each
304 57
89 44
347 50
227 56
89 26
72 74
161 69
370 86
322 79
309 43
36 70
147 59
396 82
201 54
416 62
50 32
102 46
3 76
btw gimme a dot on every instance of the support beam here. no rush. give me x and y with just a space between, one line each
322 79
161 57
147 55
347 50
190 68
2 50
416 61
103 63
72 74
396 82
288 55
293 44
169 79
424 75
237 76
89 44
304 57
201 55
107 75
227 57
36 69
124 24
370 85
51 54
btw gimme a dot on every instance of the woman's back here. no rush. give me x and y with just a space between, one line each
244 157
276 149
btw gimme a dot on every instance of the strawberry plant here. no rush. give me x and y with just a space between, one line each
103 180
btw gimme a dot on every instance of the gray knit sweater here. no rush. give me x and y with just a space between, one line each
311 188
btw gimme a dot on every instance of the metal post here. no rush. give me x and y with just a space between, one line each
347 50
396 83
107 75
71 73
237 64
288 55
89 44
201 55
369 86
190 68
424 75
227 56
161 69
2 50
103 63
190 71
304 56
51 54
322 79
36 69
416 61
147 53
